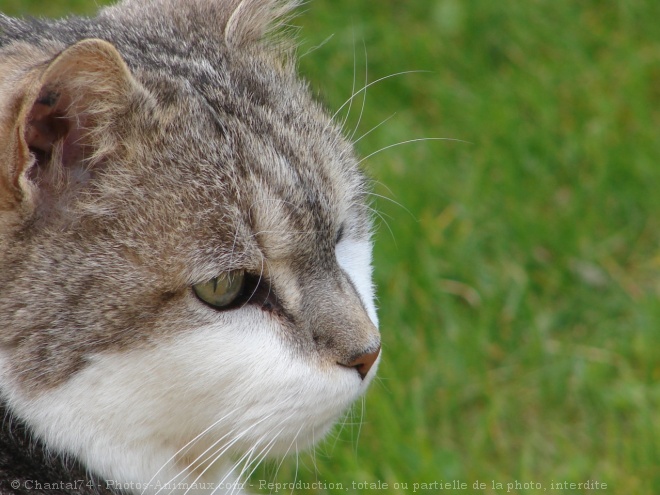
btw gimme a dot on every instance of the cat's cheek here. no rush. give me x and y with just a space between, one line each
239 381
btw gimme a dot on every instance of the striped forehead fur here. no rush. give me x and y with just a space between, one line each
231 156
146 152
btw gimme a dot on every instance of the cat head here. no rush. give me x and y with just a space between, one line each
184 240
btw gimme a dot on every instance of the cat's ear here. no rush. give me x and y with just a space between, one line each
54 130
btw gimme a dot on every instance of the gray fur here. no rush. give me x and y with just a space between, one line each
210 156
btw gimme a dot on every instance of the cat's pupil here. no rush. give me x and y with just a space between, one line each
222 290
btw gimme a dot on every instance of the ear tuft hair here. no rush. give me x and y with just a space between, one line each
236 23
252 20
58 126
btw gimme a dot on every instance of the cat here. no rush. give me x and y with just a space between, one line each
185 251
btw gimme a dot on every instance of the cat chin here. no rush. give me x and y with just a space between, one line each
210 394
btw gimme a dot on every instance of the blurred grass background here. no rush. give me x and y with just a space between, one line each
519 273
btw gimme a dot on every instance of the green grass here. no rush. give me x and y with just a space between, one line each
519 277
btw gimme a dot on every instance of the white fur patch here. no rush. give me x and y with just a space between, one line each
212 393
354 257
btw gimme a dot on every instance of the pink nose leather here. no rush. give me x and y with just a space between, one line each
364 362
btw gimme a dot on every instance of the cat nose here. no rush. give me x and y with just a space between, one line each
364 362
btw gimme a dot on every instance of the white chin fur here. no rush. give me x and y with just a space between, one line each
144 415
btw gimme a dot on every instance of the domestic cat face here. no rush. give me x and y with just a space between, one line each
147 156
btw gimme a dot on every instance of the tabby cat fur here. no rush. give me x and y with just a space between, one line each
157 151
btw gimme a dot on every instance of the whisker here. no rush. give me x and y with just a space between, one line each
383 185
364 88
233 247
373 129
247 456
411 141
382 382
275 437
295 476
282 232
316 467
259 458
382 218
220 452
376 195
278 200
249 461
186 447
317 47
188 470
261 276
364 95
362 407
216 456
287 450
348 112
380 213
341 429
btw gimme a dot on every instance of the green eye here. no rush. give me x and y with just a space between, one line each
221 291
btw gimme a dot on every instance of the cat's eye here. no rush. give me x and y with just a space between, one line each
221 291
